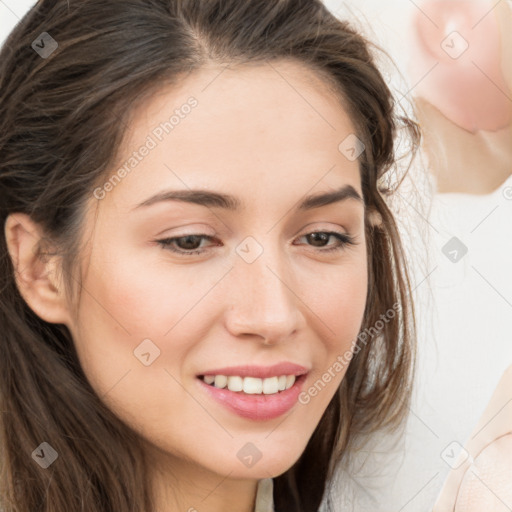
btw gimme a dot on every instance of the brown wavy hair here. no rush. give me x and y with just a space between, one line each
62 120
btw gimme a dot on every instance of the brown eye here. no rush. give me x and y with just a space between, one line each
319 239
186 244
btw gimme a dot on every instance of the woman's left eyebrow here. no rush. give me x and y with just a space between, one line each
212 199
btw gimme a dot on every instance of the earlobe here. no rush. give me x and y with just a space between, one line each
35 275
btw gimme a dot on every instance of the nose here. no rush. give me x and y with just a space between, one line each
263 300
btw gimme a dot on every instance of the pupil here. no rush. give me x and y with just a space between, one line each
190 239
323 236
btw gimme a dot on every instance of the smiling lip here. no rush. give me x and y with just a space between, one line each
256 406
261 372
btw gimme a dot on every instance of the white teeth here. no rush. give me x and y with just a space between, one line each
235 383
290 379
270 386
209 379
251 385
220 381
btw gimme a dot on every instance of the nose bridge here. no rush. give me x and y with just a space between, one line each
263 301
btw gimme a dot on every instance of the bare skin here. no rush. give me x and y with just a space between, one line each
480 478
461 161
255 137
465 115
464 102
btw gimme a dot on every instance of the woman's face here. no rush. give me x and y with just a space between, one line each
261 291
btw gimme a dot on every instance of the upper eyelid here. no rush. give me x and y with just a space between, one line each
306 231
215 237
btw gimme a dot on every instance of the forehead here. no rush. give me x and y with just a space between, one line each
253 129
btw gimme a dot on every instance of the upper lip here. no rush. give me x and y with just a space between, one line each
262 372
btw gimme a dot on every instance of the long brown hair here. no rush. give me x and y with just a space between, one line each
62 119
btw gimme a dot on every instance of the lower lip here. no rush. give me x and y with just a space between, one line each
258 406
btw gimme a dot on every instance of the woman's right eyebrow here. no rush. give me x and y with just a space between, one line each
213 199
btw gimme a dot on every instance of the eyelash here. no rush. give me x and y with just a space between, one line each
344 239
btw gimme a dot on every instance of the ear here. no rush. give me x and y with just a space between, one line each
35 275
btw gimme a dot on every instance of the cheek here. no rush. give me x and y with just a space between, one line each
139 298
338 301
124 303
133 347
340 309
129 299
340 298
